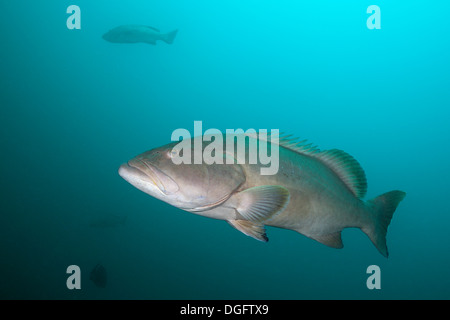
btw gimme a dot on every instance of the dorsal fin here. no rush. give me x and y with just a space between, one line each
289 142
340 162
347 168
297 145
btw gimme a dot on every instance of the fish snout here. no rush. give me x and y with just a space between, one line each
130 173
145 171
107 36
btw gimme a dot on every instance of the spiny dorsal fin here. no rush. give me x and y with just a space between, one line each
298 146
289 142
347 168
343 164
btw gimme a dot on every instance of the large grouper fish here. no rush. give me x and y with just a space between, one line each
316 193
138 33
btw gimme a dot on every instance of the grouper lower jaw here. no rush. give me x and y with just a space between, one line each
141 180
162 181
130 173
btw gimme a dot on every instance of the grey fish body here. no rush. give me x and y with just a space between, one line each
137 34
316 193
319 204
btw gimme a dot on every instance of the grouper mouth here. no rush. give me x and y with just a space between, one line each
139 172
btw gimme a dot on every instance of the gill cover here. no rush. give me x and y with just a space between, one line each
211 184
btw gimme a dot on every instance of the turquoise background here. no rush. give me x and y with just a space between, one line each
74 107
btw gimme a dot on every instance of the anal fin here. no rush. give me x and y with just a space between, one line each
252 229
332 240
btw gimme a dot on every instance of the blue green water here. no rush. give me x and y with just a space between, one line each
74 107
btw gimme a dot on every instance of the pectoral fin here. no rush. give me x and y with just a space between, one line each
254 206
251 229
261 203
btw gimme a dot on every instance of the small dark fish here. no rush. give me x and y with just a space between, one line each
99 276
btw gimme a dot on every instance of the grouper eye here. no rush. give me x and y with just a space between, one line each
173 153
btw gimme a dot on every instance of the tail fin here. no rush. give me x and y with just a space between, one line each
383 208
169 37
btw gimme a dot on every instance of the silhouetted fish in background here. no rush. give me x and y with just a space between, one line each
99 276
138 33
